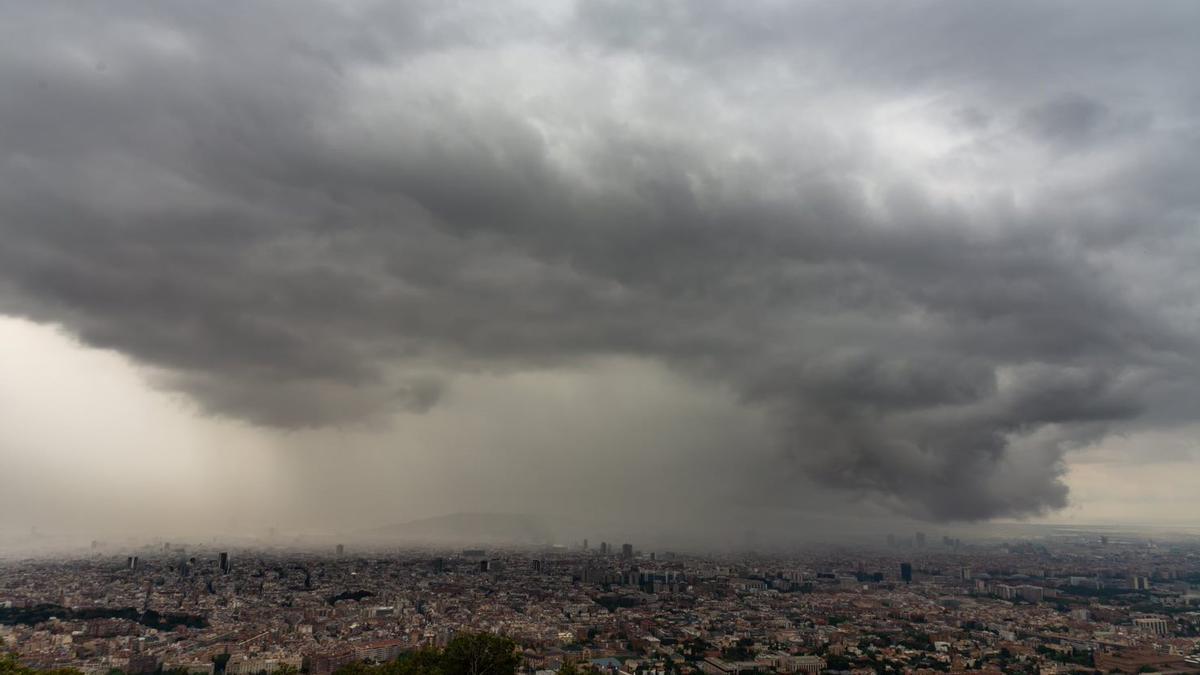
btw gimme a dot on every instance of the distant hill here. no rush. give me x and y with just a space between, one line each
495 528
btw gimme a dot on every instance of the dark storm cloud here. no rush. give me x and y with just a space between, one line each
1071 119
316 214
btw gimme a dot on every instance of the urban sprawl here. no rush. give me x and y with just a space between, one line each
912 604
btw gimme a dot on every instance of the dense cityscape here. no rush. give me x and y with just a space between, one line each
1070 603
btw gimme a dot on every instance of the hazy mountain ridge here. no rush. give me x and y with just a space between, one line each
470 527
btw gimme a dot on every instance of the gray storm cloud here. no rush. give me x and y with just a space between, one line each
938 244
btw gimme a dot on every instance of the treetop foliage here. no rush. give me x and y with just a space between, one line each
467 654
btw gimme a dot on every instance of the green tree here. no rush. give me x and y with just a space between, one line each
11 665
426 661
480 654
468 654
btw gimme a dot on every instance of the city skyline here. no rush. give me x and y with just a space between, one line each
1066 602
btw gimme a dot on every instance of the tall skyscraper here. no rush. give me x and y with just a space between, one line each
341 549
604 548
132 562
483 565
627 551
223 562
906 572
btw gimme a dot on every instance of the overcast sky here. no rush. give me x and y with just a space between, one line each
329 265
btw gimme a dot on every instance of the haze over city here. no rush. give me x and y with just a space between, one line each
719 273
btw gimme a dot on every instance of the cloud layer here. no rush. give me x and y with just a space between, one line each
939 244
